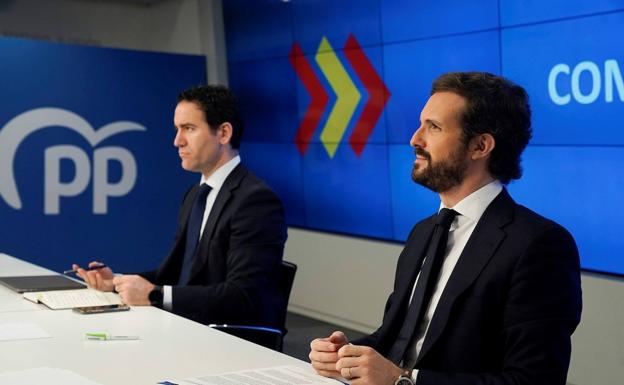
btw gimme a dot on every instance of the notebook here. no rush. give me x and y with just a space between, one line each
69 299
40 283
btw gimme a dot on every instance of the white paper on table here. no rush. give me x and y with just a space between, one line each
48 376
276 375
21 331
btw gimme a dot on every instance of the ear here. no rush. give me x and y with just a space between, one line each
481 146
225 132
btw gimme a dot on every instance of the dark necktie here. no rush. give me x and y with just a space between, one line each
427 279
192 232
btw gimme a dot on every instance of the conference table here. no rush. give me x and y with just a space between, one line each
169 347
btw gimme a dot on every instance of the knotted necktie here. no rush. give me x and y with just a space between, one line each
192 232
427 279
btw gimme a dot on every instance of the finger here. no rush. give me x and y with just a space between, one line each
347 362
352 351
89 277
324 365
124 298
338 337
121 287
323 346
99 281
323 356
95 263
329 373
80 272
346 373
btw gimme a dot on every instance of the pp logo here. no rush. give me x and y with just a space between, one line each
18 128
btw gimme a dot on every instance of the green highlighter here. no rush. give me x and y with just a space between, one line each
108 337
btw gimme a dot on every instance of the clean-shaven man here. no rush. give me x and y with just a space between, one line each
224 263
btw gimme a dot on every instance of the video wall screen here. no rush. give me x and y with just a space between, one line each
331 92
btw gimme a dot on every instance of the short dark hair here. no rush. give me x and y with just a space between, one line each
496 106
219 105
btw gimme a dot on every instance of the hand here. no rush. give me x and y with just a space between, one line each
133 289
100 279
324 354
364 366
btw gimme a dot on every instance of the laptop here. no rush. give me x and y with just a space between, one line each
40 283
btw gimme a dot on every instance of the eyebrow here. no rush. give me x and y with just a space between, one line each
184 125
434 122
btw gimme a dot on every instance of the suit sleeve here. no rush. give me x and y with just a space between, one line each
541 312
253 251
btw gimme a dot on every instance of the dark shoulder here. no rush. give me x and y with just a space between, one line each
253 187
531 225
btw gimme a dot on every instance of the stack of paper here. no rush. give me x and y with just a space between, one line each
277 375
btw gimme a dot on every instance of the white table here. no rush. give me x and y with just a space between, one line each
169 347
9 300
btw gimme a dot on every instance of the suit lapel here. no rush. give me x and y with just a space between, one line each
167 265
481 246
231 182
408 266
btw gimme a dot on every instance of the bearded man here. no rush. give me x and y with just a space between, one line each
486 291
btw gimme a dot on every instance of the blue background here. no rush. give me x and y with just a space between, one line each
573 167
102 86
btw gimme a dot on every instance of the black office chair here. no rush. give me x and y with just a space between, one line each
265 336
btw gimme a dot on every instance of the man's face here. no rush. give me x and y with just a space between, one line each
441 153
198 147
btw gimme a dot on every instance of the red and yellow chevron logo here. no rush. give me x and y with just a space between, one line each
348 96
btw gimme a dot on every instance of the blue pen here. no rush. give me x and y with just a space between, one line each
87 269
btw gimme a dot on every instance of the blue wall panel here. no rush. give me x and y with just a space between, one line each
531 53
409 20
346 193
279 165
99 86
270 111
262 29
531 11
579 187
410 68
313 19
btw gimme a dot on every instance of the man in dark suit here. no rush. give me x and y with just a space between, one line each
225 260
486 291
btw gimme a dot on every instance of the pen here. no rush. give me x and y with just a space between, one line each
108 337
87 269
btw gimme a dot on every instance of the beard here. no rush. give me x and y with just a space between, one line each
444 174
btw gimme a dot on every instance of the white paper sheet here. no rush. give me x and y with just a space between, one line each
21 331
276 375
48 376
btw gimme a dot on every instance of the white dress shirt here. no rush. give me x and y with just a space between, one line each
215 181
469 211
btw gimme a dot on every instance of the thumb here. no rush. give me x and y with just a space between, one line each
338 337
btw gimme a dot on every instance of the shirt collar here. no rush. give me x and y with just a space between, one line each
474 205
218 177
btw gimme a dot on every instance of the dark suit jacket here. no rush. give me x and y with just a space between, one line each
235 272
508 310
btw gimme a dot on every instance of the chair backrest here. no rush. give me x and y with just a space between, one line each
287 277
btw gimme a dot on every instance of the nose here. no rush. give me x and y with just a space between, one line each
417 139
178 140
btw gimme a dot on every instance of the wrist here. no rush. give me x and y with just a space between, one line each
156 296
404 378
